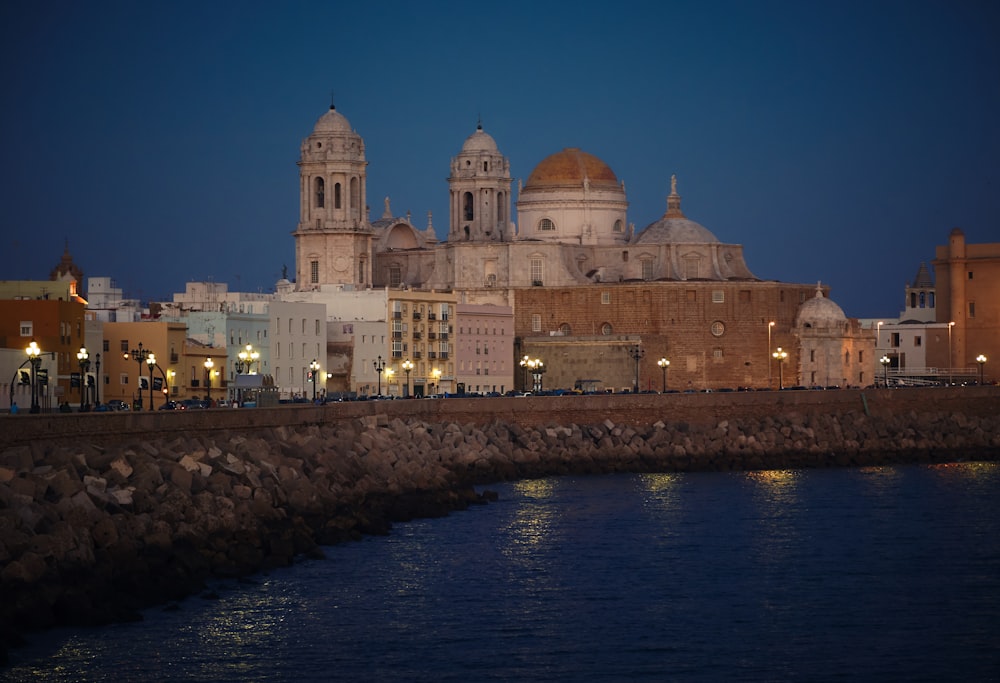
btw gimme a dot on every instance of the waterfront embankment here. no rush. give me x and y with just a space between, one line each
102 515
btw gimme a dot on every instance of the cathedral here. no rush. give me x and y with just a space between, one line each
604 305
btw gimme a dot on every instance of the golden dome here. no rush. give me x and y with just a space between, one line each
569 168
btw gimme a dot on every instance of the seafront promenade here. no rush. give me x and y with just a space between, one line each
104 514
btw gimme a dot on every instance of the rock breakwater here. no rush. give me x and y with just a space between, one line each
94 530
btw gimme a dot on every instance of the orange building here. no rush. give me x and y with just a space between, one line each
54 321
968 295
127 379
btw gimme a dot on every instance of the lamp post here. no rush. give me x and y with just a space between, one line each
313 372
97 381
151 362
34 357
664 364
84 358
247 357
780 356
884 360
951 378
537 369
407 366
436 374
770 325
524 372
636 352
389 372
139 355
379 366
981 359
878 335
209 364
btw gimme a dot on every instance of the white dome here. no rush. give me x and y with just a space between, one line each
480 141
332 122
820 312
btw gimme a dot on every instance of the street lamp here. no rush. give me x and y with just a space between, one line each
407 366
313 371
209 364
151 362
524 372
247 357
84 358
34 357
436 374
97 381
770 325
951 378
537 369
389 372
780 356
636 352
664 364
981 359
139 355
379 366
884 360
878 334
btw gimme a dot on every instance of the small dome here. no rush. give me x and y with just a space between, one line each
820 312
332 122
676 231
569 168
480 141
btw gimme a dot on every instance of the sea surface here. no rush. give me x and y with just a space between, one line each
873 574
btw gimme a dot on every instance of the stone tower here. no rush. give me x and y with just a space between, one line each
333 240
480 192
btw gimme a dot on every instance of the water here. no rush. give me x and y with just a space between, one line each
879 574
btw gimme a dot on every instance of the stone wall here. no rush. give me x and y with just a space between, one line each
102 515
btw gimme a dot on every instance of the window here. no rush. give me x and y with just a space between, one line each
546 224
691 267
647 269
716 353
718 329
27 328
972 309
691 296
619 226
319 187
124 345
536 271
123 378
336 195
536 322
861 356
314 272
467 211
917 341
970 274
894 340
718 296
317 327
395 276
606 329
812 355
605 297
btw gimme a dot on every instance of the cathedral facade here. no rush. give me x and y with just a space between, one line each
592 297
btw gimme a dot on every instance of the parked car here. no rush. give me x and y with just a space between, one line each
194 404
115 404
171 405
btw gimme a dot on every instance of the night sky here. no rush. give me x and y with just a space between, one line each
838 142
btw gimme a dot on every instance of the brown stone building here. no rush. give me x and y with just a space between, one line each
968 294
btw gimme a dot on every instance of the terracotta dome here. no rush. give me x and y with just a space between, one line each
568 168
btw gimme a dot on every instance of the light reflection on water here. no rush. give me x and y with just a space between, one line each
874 573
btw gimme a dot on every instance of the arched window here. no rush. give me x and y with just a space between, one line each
546 224
566 329
355 198
467 206
319 189
619 226
606 329
336 195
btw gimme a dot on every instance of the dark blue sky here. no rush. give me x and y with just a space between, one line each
836 141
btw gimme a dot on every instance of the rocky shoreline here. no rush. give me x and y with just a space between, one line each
92 531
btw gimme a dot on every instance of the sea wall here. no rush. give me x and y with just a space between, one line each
102 515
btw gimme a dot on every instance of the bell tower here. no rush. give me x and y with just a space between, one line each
480 192
333 240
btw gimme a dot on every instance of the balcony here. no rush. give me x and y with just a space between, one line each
417 336
432 335
443 336
417 316
443 355
432 355
418 355
397 336
432 316
397 315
